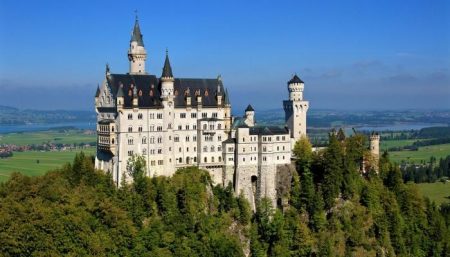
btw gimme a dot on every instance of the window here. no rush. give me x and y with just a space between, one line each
278 157
152 151
219 126
193 115
130 141
152 115
112 141
205 159
278 138
284 148
130 153
159 115
204 115
212 148
187 127
243 139
140 129
219 148
278 148
140 116
160 162
152 163
195 148
176 139
159 140
195 159
187 149
159 151
205 126
243 159
152 128
220 159
130 116
205 149
243 149
194 138
144 140
283 137
264 149
219 138
214 115
187 138
180 160
211 127
230 149
212 159
194 126
130 129
159 128
183 115
144 151
179 149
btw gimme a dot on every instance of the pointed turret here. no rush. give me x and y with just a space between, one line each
249 108
167 69
136 53
295 79
97 94
136 36
167 81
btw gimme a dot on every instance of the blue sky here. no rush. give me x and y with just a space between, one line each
351 54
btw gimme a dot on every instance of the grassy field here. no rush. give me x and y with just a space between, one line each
26 162
423 154
438 192
28 138
386 144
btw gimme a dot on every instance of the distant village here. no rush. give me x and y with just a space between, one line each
6 150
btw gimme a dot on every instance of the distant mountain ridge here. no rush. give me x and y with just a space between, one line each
15 116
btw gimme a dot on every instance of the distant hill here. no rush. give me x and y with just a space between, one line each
325 118
14 116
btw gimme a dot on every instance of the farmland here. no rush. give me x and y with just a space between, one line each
54 136
34 163
438 192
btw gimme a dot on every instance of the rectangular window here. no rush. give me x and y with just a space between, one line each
180 127
140 129
183 115
193 115
159 116
194 138
204 115
160 162
194 126
159 128
130 129
187 127
152 115
176 139
130 153
214 115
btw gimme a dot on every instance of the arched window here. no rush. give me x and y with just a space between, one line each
205 159
220 158
205 126
144 140
152 140
212 159
112 141
219 126
144 151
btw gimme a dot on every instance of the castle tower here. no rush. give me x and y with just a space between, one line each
167 79
374 144
249 116
137 54
296 108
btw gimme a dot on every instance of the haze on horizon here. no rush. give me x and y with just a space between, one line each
351 54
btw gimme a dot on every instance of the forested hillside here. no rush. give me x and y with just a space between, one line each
333 211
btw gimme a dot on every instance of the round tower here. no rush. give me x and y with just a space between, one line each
295 109
374 145
295 88
136 53
374 142
250 116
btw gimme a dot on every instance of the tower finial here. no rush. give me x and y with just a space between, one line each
136 14
167 51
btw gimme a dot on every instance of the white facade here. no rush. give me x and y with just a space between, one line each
176 122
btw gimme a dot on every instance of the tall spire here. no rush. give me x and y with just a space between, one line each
136 35
167 70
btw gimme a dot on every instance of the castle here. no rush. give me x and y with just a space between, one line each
179 122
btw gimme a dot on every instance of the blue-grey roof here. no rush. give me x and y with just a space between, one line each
167 69
295 79
136 35
148 88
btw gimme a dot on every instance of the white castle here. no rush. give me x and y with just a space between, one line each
180 122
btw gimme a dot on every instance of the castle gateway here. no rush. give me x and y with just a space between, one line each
178 122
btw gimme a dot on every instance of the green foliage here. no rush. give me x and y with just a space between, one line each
77 211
